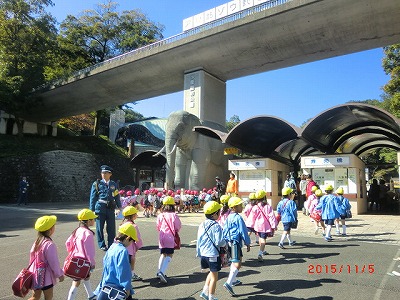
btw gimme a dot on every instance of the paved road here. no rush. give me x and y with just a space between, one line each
354 267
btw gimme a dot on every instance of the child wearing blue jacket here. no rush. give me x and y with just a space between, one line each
287 209
346 206
331 208
116 278
209 241
235 232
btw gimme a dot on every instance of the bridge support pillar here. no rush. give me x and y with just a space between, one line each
205 96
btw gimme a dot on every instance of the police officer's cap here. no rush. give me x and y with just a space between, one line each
106 169
216 177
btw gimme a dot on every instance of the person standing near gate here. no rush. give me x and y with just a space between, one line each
23 191
220 187
232 186
104 199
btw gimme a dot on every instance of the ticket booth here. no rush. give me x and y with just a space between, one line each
257 174
346 171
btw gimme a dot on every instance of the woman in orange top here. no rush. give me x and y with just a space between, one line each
232 186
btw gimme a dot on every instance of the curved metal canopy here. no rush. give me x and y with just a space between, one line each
259 135
349 128
147 160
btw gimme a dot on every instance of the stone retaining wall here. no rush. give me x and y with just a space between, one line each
58 175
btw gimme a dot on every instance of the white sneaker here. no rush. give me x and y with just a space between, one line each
162 277
136 277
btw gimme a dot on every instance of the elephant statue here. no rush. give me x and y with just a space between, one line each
193 159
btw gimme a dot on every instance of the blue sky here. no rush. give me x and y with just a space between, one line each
295 94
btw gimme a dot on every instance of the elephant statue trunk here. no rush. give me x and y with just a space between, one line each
190 156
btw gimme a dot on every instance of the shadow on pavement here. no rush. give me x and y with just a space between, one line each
261 297
277 287
27 215
324 244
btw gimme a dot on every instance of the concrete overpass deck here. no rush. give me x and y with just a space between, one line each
295 32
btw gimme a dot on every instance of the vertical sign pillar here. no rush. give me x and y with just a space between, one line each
205 96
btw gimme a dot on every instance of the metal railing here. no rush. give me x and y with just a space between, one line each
174 38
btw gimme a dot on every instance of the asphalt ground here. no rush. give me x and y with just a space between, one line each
361 265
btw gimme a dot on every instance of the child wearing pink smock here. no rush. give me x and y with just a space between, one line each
314 200
225 210
44 263
168 223
249 214
81 243
264 224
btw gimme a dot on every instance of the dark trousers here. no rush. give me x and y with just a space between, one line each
22 198
302 199
105 216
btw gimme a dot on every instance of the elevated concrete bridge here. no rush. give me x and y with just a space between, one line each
288 33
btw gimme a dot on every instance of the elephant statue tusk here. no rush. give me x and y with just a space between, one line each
159 152
173 150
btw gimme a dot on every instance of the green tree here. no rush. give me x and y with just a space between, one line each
391 66
131 115
27 35
103 33
80 125
233 121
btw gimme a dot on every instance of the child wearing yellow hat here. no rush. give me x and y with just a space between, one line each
287 209
346 206
209 241
168 224
264 221
315 214
116 281
235 232
130 215
249 214
225 211
81 244
331 209
44 263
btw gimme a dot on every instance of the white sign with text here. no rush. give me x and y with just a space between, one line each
219 12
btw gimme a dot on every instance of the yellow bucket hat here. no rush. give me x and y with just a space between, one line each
45 223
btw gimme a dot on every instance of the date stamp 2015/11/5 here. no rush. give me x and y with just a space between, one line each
341 269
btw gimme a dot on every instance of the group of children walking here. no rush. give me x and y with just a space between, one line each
328 210
119 260
224 232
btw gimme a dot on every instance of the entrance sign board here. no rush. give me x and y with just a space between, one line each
219 12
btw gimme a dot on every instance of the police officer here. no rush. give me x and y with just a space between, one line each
104 198
23 191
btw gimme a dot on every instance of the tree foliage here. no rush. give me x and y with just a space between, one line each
233 121
391 66
80 125
131 115
27 35
103 33
100 34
